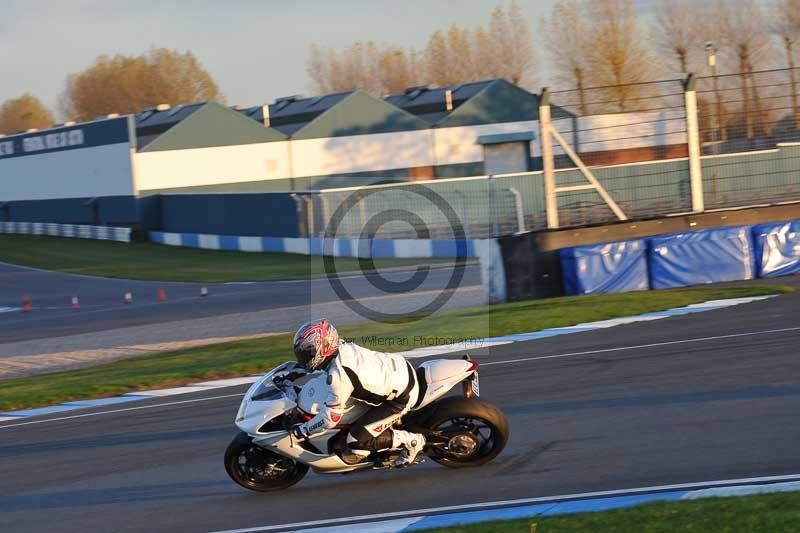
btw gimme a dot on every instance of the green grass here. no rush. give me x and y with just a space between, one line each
779 512
255 355
149 261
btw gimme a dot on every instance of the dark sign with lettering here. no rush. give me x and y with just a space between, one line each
84 135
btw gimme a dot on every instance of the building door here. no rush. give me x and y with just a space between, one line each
506 158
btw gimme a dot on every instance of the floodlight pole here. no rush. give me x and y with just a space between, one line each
545 135
693 141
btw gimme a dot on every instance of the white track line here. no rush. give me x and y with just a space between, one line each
640 346
121 410
506 362
512 503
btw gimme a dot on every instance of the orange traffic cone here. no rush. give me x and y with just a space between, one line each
162 295
128 297
203 292
26 303
76 304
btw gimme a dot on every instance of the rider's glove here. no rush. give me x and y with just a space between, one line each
279 379
299 432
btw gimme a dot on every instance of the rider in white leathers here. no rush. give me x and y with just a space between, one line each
387 382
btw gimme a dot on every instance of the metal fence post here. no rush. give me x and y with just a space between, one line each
693 140
464 213
493 207
518 209
551 202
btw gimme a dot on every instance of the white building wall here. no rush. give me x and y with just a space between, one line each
596 133
194 167
362 153
620 131
460 144
92 171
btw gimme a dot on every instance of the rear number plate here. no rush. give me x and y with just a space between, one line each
474 383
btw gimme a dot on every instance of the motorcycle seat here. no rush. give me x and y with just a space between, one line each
422 384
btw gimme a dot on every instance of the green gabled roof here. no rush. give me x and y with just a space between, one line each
360 114
213 125
500 101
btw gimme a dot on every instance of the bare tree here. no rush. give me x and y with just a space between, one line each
510 40
125 84
461 53
457 55
621 58
438 68
785 24
398 69
505 50
744 34
24 113
484 65
569 46
679 31
377 70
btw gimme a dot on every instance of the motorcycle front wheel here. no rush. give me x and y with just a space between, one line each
258 469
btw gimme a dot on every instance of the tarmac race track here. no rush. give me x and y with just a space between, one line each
709 396
102 306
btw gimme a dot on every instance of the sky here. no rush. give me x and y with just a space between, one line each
256 50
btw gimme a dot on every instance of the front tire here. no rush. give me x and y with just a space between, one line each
475 432
258 469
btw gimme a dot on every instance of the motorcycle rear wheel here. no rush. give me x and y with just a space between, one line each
477 432
258 469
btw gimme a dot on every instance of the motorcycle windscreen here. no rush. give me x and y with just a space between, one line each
265 391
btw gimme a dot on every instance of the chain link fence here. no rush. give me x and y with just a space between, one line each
630 152
618 132
742 116
468 208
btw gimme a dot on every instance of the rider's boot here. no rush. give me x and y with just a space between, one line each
411 443
354 454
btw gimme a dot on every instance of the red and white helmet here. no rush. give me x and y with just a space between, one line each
315 343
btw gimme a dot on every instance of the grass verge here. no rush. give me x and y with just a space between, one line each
255 355
158 262
761 513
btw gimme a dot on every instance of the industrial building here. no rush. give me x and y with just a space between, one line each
104 171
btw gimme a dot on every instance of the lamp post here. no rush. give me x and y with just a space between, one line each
711 53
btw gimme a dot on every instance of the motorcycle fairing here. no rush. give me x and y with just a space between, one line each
264 402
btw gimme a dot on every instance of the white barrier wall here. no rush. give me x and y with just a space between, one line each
194 167
362 153
78 231
90 159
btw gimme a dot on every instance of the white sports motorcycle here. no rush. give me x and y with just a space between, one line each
460 431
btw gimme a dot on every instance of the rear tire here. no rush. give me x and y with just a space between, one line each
258 469
477 432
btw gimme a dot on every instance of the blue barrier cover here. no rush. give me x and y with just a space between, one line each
601 268
777 248
709 256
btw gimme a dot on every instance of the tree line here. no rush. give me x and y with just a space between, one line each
586 43
117 84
